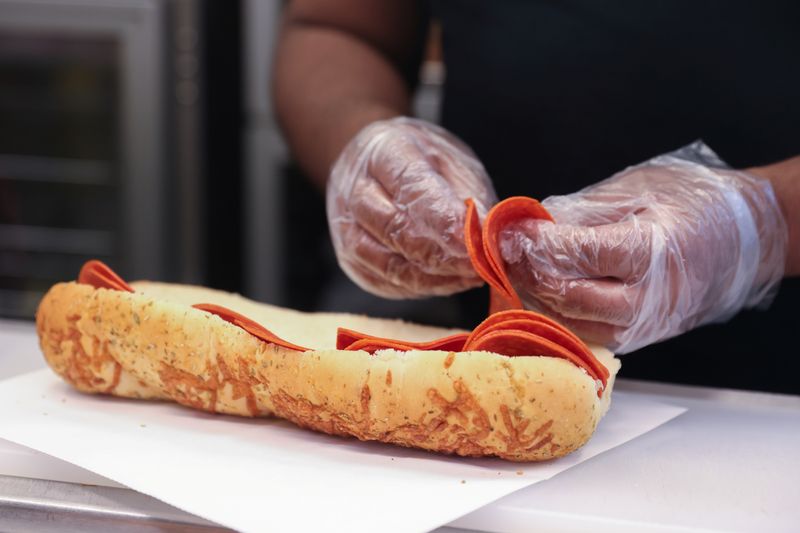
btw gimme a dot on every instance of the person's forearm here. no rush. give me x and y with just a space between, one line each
785 179
328 85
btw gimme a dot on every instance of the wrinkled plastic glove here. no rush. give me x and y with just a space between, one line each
395 204
659 248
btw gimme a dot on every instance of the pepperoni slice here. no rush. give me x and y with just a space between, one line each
250 326
100 276
484 245
516 342
554 335
509 210
473 239
540 325
518 314
347 339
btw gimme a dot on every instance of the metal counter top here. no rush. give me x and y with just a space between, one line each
730 463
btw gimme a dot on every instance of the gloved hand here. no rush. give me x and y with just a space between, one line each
657 249
395 205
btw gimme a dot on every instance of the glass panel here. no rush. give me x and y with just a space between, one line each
59 160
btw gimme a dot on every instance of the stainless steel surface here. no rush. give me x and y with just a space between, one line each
189 96
142 33
265 156
55 169
33 505
62 240
37 505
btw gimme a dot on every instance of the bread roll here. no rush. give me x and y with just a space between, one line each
152 345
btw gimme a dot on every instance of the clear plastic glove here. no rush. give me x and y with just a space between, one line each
657 249
395 204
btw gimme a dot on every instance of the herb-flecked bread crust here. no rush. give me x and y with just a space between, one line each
152 345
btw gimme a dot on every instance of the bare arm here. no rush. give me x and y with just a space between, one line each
341 65
785 178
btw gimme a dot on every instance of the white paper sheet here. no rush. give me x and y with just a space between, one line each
267 475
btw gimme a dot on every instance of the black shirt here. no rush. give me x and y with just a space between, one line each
556 95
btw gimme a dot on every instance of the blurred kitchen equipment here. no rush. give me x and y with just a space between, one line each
119 120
